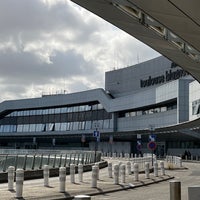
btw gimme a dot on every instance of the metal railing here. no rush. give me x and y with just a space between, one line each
36 160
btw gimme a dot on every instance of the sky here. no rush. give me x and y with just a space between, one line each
55 46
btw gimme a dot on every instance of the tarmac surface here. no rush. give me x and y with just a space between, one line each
155 188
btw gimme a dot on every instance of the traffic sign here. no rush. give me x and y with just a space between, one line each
152 137
139 145
96 134
151 145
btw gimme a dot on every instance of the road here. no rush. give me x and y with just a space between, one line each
188 177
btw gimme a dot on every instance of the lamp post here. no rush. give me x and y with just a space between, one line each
96 134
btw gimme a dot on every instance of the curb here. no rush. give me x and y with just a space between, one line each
128 187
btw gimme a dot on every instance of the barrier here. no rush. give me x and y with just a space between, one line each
175 190
94 176
110 170
46 175
136 171
116 174
80 172
62 179
72 173
123 173
129 168
146 170
19 182
11 175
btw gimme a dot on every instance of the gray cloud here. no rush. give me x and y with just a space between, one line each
60 45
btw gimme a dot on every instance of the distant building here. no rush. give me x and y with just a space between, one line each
137 100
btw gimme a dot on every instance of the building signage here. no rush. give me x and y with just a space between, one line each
168 76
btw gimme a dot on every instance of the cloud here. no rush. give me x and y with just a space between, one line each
56 45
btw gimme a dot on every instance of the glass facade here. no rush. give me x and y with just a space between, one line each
148 111
71 118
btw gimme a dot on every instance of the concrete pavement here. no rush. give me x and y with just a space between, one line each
34 189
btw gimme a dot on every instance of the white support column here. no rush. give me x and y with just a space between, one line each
62 178
46 175
116 174
155 166
11 175
94 176
136 171
110 170
19 183
162 168
97 164
146 170
123 173
80 172
72 173
129 168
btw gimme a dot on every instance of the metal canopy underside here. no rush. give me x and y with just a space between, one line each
179 20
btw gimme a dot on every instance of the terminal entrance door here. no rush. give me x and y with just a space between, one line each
160 149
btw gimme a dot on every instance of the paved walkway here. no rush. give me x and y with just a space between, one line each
34 189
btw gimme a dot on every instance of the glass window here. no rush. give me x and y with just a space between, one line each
32 127
13 128
75 125
50 127
45 111
76 108
95 107
57 110
20 128
106 123
63 110
127 114
57 126
70 109
81 126
1 128
63 126
132 114
68 126
81 108
38 127
26 128
26 113
87 108
163 109
100 106
88 125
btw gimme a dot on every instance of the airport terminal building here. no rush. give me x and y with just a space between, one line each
137 101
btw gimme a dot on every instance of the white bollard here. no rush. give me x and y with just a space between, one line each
180 160
62 178
82 197
80 172
129 168
110 170
72 173
155 167
136 171
94 176
162 168
97 164
19 182
46 175
11 175
175 190
123 172
146 170
116 174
